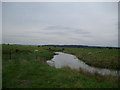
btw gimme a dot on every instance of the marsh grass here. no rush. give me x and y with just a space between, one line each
101 58
35 74
95 75
24 70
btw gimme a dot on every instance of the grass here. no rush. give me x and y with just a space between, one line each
25 52
24 70
36 74
101 58
0 66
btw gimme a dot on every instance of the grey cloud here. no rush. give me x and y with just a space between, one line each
57 27
17 35
51 33
61 29
80 31
66 23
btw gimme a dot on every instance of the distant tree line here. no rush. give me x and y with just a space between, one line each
72 46
82 46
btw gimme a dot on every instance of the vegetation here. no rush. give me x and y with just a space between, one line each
0 66
103 58
25 67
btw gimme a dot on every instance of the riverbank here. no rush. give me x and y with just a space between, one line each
63 59
26 67
101 58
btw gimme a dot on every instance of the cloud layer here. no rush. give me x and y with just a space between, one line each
91 23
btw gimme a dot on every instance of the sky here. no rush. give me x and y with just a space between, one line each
0 23
75 23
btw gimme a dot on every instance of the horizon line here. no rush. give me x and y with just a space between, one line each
59 44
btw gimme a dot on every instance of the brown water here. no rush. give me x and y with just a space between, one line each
64 59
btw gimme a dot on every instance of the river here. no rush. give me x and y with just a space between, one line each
63 59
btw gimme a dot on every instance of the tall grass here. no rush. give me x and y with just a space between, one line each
103 58
25 70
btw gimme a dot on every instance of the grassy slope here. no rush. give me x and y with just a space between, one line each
25 71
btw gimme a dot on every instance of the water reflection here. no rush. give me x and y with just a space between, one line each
63 59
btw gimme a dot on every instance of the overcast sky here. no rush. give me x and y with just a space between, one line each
93 23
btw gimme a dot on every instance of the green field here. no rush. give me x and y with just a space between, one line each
25 68
103 58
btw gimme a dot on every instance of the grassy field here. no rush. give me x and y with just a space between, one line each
101 58
0 75
24 67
